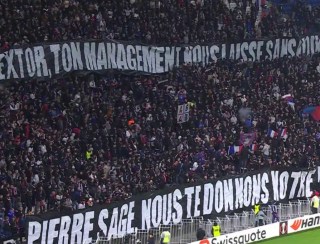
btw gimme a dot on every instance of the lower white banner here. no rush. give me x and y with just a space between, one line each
246 236
299 224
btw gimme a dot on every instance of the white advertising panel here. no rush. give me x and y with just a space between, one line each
246 236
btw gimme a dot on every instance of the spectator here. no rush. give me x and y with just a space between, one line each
260 219
274 212
216 230
151 239
315 204
201 234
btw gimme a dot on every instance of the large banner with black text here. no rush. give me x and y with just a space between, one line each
45 61
208 199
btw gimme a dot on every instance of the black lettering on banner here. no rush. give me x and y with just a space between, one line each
210 198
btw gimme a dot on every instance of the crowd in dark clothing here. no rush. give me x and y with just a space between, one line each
69 143
69 140
156 21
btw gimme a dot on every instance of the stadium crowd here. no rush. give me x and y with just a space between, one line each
173 22
77 141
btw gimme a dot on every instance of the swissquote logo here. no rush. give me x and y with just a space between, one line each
249 236
299 224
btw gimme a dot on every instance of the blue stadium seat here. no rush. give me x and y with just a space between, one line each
287 6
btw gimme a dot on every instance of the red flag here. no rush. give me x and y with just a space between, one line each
316 114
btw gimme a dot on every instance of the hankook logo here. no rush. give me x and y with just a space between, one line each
296 224
305 223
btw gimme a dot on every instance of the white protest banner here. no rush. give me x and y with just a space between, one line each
183 113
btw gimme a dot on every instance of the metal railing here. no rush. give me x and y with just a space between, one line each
185 232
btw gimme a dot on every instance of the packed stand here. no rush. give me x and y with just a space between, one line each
68 144
298 20
175 22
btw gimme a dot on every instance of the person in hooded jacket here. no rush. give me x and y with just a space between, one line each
151 239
